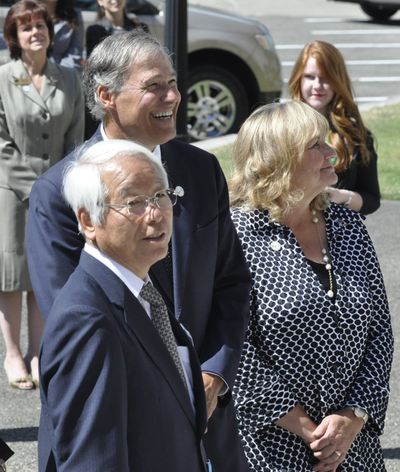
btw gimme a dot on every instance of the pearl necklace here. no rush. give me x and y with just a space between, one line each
325 257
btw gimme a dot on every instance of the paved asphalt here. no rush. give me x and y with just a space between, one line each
19 411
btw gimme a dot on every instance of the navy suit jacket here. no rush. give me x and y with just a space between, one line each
211 282
112 398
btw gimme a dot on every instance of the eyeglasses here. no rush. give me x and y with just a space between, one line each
163 200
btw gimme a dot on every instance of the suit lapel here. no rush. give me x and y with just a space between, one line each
182 228
162 281
198 386
51 78
131 314
181 247
142 327
21 79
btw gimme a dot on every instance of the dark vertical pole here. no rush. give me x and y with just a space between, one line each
176 42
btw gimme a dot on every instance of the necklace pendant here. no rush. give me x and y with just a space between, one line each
314 217
330 294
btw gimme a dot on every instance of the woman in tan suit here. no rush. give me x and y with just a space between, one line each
41 120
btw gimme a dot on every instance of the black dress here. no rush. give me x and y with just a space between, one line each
363 179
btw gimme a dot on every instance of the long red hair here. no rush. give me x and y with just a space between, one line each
347 130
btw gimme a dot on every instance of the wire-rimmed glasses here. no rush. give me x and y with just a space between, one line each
163 200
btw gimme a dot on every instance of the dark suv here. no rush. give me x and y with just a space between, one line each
377 10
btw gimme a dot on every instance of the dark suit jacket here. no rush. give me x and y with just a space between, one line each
112 398
210 276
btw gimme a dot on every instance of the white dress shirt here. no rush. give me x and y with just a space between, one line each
156 151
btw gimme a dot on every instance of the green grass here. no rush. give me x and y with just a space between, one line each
384 122
224 155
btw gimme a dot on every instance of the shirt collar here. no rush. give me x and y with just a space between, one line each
156 150
129 278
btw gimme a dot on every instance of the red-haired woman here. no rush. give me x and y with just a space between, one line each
320 79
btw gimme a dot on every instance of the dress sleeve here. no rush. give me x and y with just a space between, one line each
370 389
262 396
367 184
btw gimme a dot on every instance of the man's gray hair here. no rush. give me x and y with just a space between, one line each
111 61
82 183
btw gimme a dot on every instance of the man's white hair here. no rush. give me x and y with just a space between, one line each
82 183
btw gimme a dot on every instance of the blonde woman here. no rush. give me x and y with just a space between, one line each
313 381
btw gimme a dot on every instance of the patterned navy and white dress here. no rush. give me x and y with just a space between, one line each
302 347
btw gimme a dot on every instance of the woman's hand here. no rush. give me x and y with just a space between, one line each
348 198
333 438
298 422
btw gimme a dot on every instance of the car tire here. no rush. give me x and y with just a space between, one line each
378 13
217 103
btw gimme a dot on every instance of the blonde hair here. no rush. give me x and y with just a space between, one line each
268 148
347 130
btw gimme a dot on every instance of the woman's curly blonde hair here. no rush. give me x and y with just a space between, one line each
268 148
347 130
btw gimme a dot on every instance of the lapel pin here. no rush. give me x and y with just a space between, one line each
179 192
275 246
22 81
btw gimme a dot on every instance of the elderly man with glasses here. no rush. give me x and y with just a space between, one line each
121 387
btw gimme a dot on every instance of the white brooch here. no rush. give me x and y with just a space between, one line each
275 246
